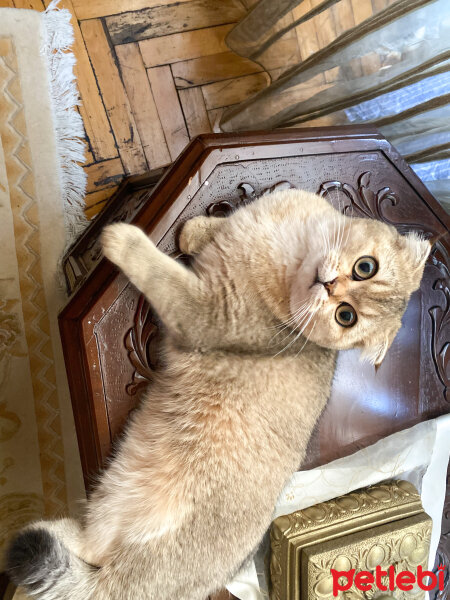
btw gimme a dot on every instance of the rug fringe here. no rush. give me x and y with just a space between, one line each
70 133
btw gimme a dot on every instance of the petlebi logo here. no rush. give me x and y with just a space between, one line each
387 580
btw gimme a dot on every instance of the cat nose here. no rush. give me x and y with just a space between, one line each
330 285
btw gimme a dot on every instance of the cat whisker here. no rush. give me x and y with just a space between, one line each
307 339
338 224
325 238
289 345
350 225
308 313
292 319
295 319
341 227
335 222
291 331
308 316
299 333
283 324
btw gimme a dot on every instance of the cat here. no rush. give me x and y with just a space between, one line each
252 330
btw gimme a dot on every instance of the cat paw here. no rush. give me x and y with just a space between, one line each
119 240
194 236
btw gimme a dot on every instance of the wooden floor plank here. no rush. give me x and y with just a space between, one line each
232 91
30 4
184 46
114 97
194 110
275 73
343 16
92 211
325 27
104 174
207 69
169 109
362 10
128 73
326 33
173 18
87 9
96 201
379 5
94 198
92 110
308 41
143 105
88 156
283 54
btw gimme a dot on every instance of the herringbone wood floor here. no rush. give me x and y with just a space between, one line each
152 74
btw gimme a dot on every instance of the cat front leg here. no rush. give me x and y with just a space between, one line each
177 294
197 233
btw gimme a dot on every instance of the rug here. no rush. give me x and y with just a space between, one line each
41 212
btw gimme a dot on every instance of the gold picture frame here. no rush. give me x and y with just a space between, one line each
383 525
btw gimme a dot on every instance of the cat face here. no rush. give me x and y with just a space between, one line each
354 284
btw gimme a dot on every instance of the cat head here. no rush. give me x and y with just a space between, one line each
355 282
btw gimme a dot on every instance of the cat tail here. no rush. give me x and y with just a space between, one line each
42 559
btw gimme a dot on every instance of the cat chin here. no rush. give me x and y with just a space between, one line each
319 294
306 289
315 296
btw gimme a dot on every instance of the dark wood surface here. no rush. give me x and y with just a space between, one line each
443 552
110 336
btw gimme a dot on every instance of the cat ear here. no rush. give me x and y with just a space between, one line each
417 247
375 352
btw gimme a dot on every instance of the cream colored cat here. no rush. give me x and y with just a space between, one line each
192 489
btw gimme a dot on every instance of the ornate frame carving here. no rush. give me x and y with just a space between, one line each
380 525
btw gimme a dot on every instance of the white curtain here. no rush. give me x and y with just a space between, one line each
391 70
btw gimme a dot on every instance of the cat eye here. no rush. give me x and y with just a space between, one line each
345 315
364 268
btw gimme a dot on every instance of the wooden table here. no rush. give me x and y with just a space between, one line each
110 335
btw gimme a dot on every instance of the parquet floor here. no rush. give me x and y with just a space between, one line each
152 74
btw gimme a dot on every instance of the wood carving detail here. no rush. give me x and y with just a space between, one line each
226 207
440 318
247 194
364 201
142 342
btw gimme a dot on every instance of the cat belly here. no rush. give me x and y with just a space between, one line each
215 429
